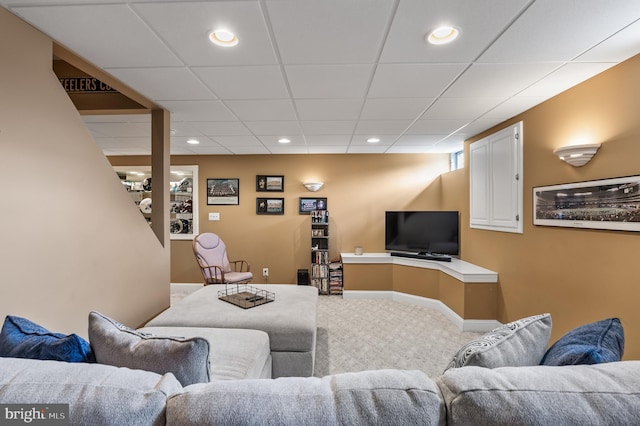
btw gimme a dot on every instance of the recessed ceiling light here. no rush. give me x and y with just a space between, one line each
193 142
373 140
284 140
443 35
224 38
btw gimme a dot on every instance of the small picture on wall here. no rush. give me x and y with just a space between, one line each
266 183
310 204
269 205
223 192
599 204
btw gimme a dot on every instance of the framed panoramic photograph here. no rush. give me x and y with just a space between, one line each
309 204
612 204
269 183
269 205
223 191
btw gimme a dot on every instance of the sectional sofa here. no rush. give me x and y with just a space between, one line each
222 376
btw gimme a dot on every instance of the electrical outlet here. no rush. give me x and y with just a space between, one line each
265 272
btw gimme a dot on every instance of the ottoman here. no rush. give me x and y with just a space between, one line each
290 322
233 354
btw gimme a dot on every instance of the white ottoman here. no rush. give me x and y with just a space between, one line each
290 322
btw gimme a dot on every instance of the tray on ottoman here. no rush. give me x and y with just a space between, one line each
245 296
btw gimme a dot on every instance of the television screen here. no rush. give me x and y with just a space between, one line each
422 232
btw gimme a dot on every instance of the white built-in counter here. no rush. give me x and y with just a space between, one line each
458 269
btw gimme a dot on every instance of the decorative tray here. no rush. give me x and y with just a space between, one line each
245 296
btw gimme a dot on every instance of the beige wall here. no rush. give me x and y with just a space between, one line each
72 241
577 275
359 189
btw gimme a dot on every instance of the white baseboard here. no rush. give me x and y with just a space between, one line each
478 326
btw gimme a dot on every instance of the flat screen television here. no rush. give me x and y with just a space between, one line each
422 232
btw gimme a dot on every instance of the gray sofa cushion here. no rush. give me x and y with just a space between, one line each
602 394
380 397
97 394
118 345
234 354
516 344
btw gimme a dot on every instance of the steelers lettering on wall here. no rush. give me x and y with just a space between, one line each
85 85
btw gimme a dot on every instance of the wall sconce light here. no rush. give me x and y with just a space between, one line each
577 155
313 186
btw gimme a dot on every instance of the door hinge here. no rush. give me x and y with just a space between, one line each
517 218
517 176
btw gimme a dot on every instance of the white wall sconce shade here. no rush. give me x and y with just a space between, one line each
313 186
577 155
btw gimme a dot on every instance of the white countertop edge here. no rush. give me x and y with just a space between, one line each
458 269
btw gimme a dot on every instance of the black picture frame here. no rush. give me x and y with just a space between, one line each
611 204
223 191
269 183
308 204
270 206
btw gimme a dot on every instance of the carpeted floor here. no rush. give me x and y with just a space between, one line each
358 335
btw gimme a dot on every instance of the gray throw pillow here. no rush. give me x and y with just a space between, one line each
120 346
516 344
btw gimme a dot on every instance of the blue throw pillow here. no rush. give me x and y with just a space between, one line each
595 343
21 338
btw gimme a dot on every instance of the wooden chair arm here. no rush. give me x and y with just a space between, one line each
240 265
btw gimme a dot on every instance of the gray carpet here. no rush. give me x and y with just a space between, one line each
358 335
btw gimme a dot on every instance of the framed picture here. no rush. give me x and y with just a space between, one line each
223 192
269 205
269 183
309 204
612 204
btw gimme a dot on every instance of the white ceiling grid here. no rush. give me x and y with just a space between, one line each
329 74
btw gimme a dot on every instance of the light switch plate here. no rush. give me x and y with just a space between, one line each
214 216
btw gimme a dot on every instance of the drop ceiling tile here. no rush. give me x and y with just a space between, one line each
479 22
118 24
461 108
619 47
328 109
333 31
248 150
164 83
362 140
185 26
273 141
418 140
564 78
282 128
394 109
498 80
556 31
445 127
198 111
328 81
413 80
477 127
512 107
382 127
324 127
328 140
229 141
202 150
254 82
262 109
212 128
